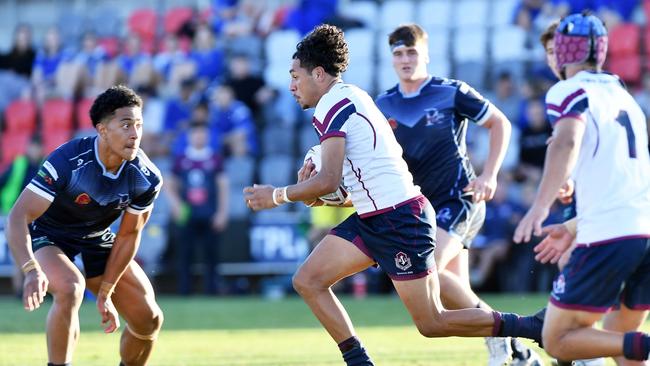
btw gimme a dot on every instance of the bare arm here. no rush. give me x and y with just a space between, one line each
327 180
125 246
27 208
485 185
171 190
561 157
220 220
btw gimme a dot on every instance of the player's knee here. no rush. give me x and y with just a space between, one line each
147 327
69 292
306 282
555 347
155 320
431 328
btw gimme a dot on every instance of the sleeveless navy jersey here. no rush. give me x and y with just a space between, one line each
87 199
431 124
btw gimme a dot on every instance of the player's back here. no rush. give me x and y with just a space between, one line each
613 169
373 169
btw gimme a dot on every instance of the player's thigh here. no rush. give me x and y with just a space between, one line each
421 297
448 248
624 319
134 296
459 265
333 259
559 321
63 276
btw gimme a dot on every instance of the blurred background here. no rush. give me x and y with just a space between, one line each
223 65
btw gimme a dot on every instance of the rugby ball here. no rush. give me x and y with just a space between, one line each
336 198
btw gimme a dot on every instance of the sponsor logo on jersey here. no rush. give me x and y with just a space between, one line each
82 199
402 261
45 177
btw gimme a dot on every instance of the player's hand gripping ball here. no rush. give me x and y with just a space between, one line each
335 198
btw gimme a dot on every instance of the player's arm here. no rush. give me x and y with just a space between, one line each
561 156
176 204
27 208
326 181
124 248
470 104
125 245
484 186
221 216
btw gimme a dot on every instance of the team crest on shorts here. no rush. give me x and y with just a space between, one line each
559 285
402 261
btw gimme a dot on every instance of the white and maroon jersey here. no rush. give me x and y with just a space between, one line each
613 170
374 171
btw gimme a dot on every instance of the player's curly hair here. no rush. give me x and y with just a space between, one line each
408 35
324 46
113 98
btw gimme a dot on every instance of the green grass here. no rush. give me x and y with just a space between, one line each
253 331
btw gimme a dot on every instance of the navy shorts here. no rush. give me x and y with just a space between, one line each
94 250
600 275
460 217
401 241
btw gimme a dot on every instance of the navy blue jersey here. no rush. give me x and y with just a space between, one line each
86 198
431 124
197 172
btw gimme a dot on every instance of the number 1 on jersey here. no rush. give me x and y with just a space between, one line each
624 121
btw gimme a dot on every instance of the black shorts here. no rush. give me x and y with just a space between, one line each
460 217
94 250
401 240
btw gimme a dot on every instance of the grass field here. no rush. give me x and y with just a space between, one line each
253 331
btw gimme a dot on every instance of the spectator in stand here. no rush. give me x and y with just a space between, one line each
12 181
172 65
207 57
153 111
533 138
505 96
231 123
92 66
50 76
248 87
16 66
178 111
198 196
309 13
611 11
20 58
135 64
526 12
